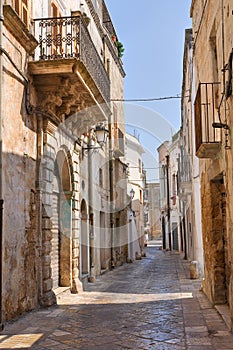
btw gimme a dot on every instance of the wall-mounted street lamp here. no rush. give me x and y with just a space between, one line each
220 126
227 130
132 193
101 134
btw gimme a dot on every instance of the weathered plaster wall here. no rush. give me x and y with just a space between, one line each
19 165
214 31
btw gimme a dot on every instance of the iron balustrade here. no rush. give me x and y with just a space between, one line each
66 38
206 113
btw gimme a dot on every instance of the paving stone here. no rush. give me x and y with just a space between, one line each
196 329
199 347
150 304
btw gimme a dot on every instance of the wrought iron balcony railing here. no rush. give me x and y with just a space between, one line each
66 38
208 138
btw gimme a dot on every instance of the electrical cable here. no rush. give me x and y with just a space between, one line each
178 96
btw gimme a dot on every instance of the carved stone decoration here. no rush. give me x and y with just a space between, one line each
70 75
50 102
49 127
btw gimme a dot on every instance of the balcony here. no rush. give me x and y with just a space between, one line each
68 72
208 139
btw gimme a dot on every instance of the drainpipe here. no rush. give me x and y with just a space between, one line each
1 200
168 202
111 193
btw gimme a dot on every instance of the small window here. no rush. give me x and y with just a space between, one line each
21 7
55 12
17 6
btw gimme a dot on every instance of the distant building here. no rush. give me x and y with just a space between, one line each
136 185
169 203
152 210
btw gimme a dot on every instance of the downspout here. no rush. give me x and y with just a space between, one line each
111 193
224 78
2 318
223 52
168 203
224 68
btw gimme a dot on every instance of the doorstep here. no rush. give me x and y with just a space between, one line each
60 290
224 312
84 280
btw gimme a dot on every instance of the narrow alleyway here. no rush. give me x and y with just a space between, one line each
150 304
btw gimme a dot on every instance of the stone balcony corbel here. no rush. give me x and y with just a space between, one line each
69 75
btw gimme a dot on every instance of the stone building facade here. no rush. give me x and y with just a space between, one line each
152 223
164 195
172 234
173 173
136 186
213 103
59 69
188 176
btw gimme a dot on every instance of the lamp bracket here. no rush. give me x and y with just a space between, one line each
220 126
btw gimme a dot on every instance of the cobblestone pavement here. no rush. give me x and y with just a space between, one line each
150 304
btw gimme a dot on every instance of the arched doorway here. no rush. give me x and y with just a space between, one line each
84 240
61 263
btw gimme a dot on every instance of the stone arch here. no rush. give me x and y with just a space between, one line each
61 254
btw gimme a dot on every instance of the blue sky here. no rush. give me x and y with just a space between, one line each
152 32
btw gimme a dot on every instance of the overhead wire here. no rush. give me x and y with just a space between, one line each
178 96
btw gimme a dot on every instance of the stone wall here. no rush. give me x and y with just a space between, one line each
20 257
212 54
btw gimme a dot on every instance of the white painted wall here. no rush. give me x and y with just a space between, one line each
133 157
